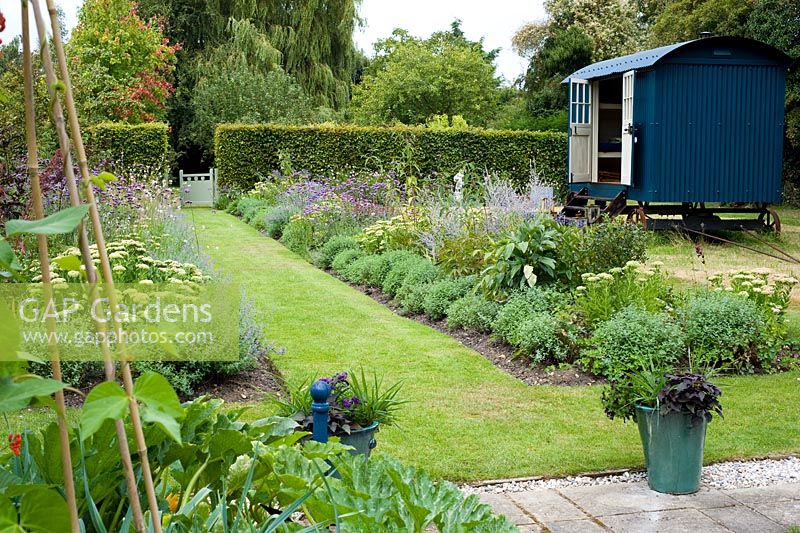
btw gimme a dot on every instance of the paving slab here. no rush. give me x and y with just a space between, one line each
743 519
604 500
575 526
786 513
530 529
547 505
502 504
755 495
671 521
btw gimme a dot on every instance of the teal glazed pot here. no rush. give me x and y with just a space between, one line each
362 440
673 450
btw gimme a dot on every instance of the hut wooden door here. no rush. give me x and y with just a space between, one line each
580 131
628 136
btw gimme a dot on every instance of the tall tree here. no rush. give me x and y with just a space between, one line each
777 22
313 37
241 80
684 20
122 64
562 52
411 80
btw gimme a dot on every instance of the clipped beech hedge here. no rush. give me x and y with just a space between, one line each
130 145
243 152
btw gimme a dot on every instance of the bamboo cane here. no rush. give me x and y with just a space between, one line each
127 378
44 263
91 274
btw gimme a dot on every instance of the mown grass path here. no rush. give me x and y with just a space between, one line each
468 420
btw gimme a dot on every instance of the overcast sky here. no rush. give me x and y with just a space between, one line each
495 21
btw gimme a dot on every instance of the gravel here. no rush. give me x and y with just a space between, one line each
729 475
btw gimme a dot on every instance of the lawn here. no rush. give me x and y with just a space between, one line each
468 420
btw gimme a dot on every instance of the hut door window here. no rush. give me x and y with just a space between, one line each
580 131
628 136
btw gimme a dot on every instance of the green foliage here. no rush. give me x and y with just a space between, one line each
333 246
598 248
399 272
521 258
412 80
397 233
130 146
564 51
242 151
684 20
276 219
634 340
537 338
473 311
360 271
416 285
414 501
440 294
344 258
385 265
724 330
121 65
241 80
604 294
521 306
298 236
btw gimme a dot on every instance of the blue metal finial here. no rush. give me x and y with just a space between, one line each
320 391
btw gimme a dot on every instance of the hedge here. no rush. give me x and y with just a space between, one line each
243 152
130 144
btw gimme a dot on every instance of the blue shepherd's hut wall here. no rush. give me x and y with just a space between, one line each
709 118
712 128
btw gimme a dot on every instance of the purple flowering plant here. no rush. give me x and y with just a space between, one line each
355 402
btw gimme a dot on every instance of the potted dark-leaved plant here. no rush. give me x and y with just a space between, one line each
357 407
672 411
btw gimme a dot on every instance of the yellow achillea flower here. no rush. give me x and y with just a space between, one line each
173 500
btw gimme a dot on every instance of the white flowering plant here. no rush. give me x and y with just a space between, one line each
130 263
770 291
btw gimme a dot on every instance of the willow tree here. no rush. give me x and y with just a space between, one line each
315 38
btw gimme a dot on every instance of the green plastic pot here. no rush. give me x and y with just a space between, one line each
673 450
362 440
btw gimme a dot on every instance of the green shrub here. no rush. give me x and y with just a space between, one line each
359 270
521 258
612 244
634 340
333 246
298 236
538 339
598 248
130 145
344 258
724 330
246 206
411 293
387 262
602 295
400 232
276 219
473 311
440 294
242 151
397 274
521 306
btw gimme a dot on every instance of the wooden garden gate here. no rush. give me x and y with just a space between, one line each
198 190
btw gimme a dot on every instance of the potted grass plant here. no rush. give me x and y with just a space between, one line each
358 406
672 411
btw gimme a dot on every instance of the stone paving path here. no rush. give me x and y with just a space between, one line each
634 507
